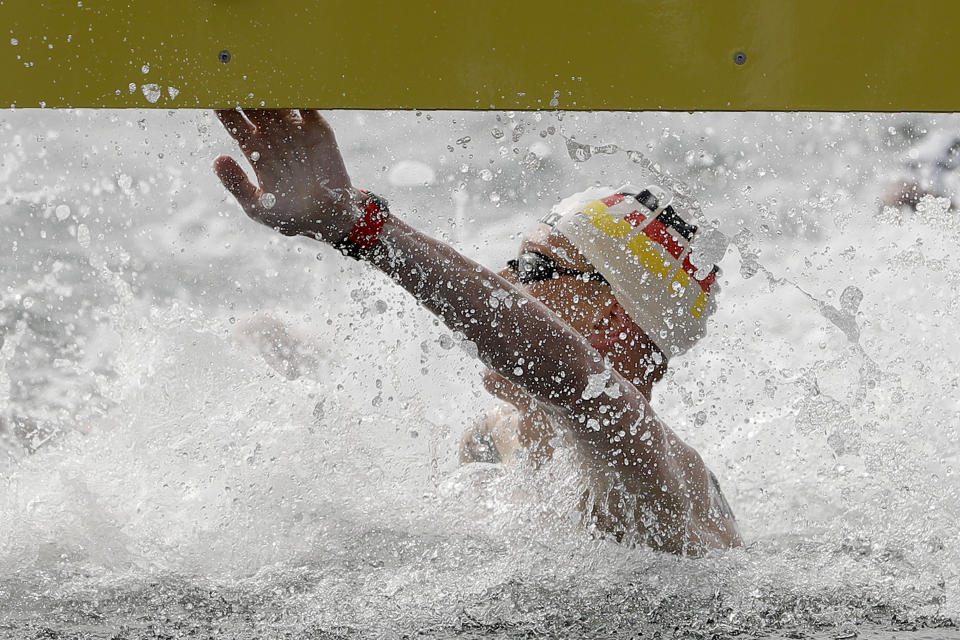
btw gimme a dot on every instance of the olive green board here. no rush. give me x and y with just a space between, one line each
837 55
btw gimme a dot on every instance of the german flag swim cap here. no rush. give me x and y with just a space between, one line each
645 249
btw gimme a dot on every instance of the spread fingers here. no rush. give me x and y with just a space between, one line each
269 121
312 118
236 182
235 123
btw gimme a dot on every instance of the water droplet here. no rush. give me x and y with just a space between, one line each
850 299
63 212
14 41
151 92
268 200
470 348
749 266
708 249
145 69
578 152
83 235
233 320
254 156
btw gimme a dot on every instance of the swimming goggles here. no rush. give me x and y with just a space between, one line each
535 267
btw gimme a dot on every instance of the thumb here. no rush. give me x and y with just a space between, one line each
236 182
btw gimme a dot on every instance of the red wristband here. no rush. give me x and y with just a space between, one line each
366 231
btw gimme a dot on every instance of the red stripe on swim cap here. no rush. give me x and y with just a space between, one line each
635 218
691 270
616 198
657 231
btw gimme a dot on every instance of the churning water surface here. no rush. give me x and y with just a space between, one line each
210 431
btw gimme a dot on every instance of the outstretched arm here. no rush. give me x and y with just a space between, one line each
300 166
304 189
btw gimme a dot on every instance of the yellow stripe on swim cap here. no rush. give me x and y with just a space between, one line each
680 276
603 220
651 255
700 305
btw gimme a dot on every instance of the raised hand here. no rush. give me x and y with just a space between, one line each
302 184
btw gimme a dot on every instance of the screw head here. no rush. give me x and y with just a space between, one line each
740 58
224 56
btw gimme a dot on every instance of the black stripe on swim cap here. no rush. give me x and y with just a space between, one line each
672 219
648 200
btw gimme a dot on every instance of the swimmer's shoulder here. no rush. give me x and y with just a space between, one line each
486 431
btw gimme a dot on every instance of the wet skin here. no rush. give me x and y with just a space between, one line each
645 483
589 308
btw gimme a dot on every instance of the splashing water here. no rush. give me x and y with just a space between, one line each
151 92
207 432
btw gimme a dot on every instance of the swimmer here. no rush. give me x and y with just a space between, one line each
575 331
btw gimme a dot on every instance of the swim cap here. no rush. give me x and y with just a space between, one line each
645 250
